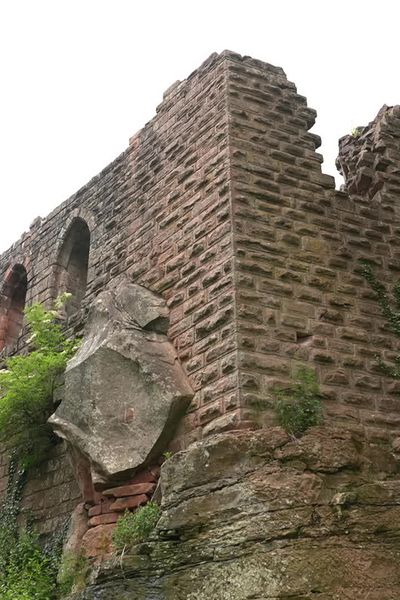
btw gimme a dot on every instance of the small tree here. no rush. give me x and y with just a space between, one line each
27 385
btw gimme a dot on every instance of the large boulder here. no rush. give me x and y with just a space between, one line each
125 390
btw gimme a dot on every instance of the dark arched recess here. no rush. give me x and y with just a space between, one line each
72 264
12 304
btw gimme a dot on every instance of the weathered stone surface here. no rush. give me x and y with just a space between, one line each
125 389
260 516
77 528
130 502
103 519
97 541
130 490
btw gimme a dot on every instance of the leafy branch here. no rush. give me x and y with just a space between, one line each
27 384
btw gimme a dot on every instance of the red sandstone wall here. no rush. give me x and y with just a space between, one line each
178 235
298 245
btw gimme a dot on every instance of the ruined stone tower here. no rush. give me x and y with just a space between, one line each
219 210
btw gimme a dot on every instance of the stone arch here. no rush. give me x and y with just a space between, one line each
12 304
71 269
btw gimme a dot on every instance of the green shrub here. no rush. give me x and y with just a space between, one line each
27 384
28 574
135 527
27 570
357 131
299 407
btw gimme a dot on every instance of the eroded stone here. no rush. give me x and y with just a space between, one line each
250 515
125 389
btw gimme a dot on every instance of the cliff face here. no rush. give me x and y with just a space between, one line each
263 516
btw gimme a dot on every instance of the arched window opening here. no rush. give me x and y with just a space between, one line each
72 265
13 297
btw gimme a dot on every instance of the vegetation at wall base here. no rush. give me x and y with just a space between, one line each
135 527
29 574
27 569
28 382
299 407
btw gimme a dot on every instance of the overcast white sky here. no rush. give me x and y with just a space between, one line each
78 78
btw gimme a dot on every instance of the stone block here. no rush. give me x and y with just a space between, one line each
105 519
125 390
97 541
130 502
130 490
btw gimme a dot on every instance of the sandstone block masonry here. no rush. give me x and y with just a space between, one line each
219 205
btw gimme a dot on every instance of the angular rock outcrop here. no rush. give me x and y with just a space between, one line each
258 515
125 389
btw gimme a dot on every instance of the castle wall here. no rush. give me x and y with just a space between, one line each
301 297
219 205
